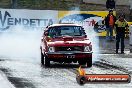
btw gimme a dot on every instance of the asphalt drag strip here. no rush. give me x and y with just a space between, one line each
33 75
24 74
16 81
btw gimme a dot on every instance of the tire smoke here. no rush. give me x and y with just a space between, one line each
20 43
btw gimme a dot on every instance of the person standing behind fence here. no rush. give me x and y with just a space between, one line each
110 4
121 24
110 20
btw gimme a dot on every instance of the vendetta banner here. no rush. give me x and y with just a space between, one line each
26 18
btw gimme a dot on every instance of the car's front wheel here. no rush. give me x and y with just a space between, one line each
47 61
42 58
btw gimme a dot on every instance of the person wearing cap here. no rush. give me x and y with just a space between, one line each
110 20
121 24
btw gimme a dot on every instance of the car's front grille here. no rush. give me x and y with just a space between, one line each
69 48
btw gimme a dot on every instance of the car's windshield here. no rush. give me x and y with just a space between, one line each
65 31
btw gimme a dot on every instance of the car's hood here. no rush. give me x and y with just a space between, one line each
68 41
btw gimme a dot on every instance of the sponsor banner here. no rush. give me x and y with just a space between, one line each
90 19
39 19
27 18
129 23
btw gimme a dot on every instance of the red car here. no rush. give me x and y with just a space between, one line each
65 43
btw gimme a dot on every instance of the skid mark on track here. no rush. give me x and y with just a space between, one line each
107 65
20 82
16 81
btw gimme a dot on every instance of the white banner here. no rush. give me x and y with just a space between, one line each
27 18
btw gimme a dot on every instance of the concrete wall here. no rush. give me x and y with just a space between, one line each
118 2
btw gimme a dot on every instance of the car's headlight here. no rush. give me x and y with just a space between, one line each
87 49
51 49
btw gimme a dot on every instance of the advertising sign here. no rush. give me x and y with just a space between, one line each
90 19
27 18
39 19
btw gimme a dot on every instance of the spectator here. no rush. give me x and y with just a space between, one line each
121 24
14 3
110 4
109 22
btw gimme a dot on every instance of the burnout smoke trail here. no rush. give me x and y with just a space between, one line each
92 35
20 43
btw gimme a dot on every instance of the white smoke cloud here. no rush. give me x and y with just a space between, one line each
92 35
20 43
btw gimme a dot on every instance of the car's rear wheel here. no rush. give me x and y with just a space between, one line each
47 61
42 58
89 62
